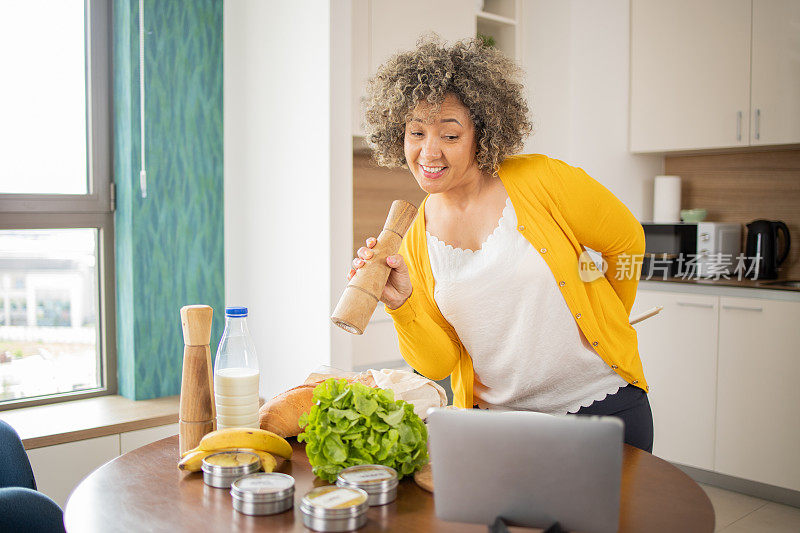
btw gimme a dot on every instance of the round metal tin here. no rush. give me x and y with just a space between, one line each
333 508
263 493
379 482
222 468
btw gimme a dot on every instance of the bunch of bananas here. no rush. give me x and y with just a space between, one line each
262 443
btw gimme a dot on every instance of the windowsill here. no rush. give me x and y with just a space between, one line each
47 425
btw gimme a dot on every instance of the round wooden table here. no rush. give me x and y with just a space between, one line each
143 490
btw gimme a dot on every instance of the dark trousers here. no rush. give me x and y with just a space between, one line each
629 404
22 508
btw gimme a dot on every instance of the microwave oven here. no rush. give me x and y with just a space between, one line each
691 249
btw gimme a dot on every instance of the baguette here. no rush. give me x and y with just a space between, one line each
281 414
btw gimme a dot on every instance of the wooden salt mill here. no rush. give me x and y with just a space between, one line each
197 412
363 293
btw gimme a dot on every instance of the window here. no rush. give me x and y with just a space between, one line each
57 334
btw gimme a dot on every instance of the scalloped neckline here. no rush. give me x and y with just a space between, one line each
503 217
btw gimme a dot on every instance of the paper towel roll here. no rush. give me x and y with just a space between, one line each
667 199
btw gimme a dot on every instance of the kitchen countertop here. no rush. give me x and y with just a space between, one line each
746 288
733 282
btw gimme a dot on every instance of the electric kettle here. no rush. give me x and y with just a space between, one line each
762 241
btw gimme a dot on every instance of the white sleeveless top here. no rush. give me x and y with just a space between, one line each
527 351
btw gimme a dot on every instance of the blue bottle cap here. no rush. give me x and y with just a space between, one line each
236 311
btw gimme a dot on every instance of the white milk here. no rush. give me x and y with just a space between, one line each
236 397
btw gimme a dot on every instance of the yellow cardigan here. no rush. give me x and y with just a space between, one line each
559 209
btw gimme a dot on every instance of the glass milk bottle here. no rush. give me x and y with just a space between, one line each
236 374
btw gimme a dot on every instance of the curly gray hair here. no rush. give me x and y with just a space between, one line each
483 79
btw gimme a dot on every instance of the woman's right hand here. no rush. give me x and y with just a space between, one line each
398 287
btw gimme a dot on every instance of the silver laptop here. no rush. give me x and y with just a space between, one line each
531 469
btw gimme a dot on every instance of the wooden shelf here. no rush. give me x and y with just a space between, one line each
360 146
491 17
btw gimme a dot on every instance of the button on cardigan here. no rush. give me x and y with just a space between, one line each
561 209
527 352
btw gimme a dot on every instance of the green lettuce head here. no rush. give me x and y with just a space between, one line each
352 424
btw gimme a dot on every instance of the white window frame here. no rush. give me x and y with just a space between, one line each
92 210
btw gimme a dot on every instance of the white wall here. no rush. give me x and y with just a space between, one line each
341 214
546 60
288 223
577 56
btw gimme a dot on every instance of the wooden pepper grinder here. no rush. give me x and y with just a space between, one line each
197 412
363 293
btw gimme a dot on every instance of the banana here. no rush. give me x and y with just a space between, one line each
256 439
268 461
193 460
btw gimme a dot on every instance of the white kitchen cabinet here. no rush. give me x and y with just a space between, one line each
714 74
378 347
690 74
384 27
500 20
396 26
775 110
130 440
58 469
758 404
678 348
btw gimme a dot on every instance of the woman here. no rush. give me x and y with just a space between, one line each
486 287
